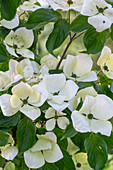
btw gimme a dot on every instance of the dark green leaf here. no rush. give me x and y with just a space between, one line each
8 9
3 54
49 166
109 142
94 41
58 35
41 17
69 132
25 134
3 138
2 161
96 149
55 71
4 32
79 24
9 121
111 33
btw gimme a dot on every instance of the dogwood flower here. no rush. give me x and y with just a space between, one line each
29 6
9 151
10 24
45 149
79 68
55 117
19 41
25 98
100 14
94 115
26 68
65 5
59 90
73 103
105 61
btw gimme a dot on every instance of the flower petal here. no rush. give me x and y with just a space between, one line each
49 135
53 155
80 122
30 111
59 99
69 90
91 76
11 50
9 38
58 107
12 65
34 159
55 82
9 152
63 122
104 127
50 124
49 113
6 107
15 101
25 53
109 14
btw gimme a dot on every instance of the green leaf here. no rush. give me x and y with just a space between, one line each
109 142
55 71
2 161
79 24
49 166
26 131
41 17
69 132
58 35
4 32
3 138
94 41
111 33
8 9
96 149
79 139
9 121
3 54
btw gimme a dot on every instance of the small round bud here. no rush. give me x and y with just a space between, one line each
90 116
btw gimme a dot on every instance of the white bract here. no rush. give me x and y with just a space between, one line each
65 5
100 14
105 61
10 24
45 149
94 115
19 41
80 97
55 117
25 98
79 68
59 90
9 151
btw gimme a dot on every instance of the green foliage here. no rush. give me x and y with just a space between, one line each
3 138
41 17
3 54
26 131
96 149
2 161
48 167
4 32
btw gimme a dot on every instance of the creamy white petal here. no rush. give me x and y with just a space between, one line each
35 66
105 51
34 159
63 122
53 155
100 22
9 38
50 113
25 53
13 65
59 99
91 76
73 103
15 101
43 3
11 50
104 127
58 107
10 24
109 14
26 35
41 144
9 152
50 124
69 90
80 122
49 135
30 111
6 107
103 107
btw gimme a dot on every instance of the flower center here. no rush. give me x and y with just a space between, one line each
100 10
74 75
106 68
90 116
78 165
56 117
70 2
14 46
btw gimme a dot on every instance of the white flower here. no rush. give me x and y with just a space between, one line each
25 98
9 151
105 61
43 3
45 149
73 103
55 117
65 5
19 41
94 115
101 14
10 24
59 90
79 67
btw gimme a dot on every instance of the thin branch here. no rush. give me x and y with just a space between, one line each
79 35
